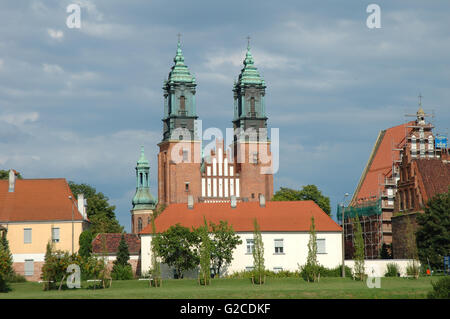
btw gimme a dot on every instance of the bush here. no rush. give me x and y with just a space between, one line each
17 278
122 272
327 272
392 270
413 269
441 289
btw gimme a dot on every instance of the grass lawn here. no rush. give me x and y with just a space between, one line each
235 288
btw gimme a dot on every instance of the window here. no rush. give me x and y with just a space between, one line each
250 245
27 236
249 268
255 158
252 106
182 103
279 246
29 267
321 246
55 234
139 224
186 187
185 155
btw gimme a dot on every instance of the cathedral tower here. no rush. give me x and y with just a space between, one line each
143 201
180 149
251 146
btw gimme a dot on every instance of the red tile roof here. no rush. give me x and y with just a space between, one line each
435 176
37 200
380 161
112 240
275 217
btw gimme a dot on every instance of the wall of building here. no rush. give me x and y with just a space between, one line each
378 267
295 252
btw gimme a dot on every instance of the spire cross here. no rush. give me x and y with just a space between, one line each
420 99
179 37
248 41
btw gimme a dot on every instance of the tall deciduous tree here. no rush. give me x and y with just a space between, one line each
177 248
358 242
308 192
258 254
100 213
224 241
433 233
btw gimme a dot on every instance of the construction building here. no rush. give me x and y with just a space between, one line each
374 198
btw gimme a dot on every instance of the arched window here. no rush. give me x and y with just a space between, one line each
139 224
182 103
141 179
252 106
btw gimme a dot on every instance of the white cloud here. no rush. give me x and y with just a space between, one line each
55 34
52 68
20 118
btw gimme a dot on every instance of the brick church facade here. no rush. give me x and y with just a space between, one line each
241 171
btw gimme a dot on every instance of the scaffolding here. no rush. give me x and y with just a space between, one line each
370 216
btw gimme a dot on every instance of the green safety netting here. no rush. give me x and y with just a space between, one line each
372 208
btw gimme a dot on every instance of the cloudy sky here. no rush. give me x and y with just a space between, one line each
78 103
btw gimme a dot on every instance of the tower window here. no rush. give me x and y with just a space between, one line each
185 155
186 187
182 105
252 106
141 179
139 224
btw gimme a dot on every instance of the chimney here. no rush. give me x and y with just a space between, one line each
190 202
262 200
12 180
81 203
233 201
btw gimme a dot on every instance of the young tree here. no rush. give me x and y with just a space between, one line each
433 233
308 192
6 264
176 247
224 241
122 269
258 255
358 242
4 174
155 270
100 213
311 269
205 255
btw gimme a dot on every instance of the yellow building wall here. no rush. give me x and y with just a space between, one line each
41 234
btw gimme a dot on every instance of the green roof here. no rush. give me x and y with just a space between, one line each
249 74
180 71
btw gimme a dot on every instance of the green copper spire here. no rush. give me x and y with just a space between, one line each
249 74
143 199
180 71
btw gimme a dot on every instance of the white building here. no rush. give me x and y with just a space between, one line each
284 227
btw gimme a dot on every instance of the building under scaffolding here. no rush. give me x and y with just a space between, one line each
371 219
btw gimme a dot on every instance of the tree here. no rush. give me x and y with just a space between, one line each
85 242
433 233
6 264
310 271
122 269
205 255
155 270
176 247
4 174
258 255
358 242
100 213
308 192
224 241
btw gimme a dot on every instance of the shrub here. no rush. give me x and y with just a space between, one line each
441 289
413 269
122 272
392 270
4 285
17 278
